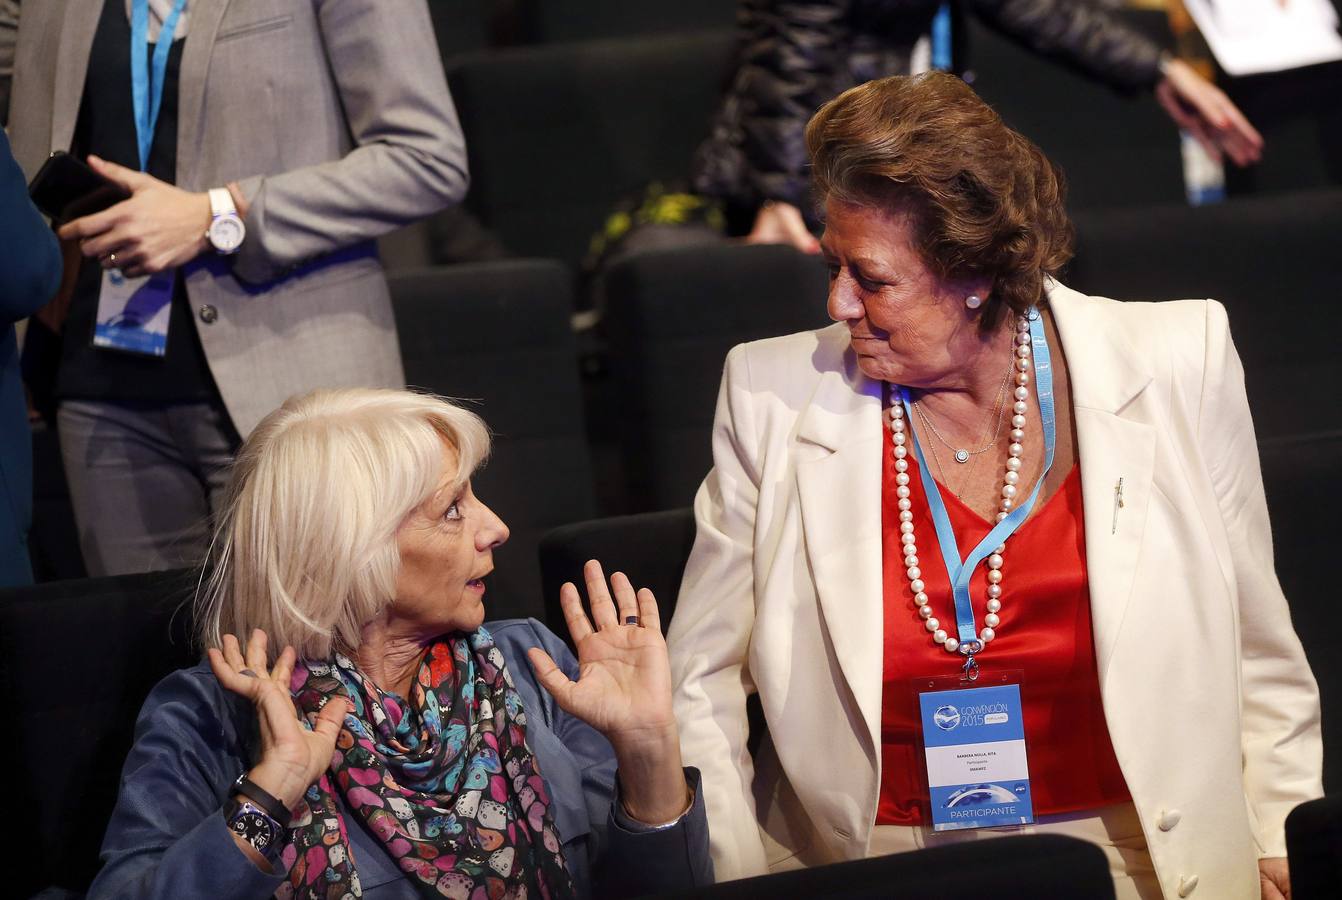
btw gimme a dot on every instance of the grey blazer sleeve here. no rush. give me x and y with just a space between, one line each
409 158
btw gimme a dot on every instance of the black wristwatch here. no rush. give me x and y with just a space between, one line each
255 826
263 798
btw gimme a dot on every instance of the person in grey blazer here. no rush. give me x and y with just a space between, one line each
290 135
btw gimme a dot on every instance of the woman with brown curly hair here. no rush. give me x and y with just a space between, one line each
990 552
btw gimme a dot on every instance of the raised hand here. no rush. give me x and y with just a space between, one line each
292 757
623 689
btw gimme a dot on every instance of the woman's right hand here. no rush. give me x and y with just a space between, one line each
782 223
292 757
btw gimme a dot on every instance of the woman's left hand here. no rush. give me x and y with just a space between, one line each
161 226
1204 111
1274 879
623 689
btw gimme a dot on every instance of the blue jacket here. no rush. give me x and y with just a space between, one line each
167 837
30 275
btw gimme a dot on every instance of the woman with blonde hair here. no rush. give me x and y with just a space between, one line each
357 729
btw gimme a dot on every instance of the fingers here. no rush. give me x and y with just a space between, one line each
257 660
1207 141
648 615
574 617
220 666
283 672
243 673
233 653
1187 119
800 236
1242 140
113 240
1208 114
126 178
603 608
332 718
551 677
91 226
625 599
606 612
1269 890
279 717
1228 127
229 673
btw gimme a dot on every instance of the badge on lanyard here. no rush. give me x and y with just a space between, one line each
972 724
133 312
974 747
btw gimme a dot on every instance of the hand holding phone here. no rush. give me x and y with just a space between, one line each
66 188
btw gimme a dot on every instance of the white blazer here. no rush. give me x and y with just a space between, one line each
1210 704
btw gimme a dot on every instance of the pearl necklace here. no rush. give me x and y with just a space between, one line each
1010 489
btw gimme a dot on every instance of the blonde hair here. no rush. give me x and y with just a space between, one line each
305 547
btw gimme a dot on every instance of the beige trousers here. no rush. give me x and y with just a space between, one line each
1115 829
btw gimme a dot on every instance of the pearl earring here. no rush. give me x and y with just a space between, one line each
973 301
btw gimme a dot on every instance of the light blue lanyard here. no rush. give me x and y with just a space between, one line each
147 89
941 39
961 572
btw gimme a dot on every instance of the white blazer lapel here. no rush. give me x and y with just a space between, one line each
72 64
839 485
1106 375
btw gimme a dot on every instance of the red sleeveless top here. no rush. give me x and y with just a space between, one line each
1045 633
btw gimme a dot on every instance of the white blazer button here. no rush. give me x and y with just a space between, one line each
1168 819
208 314
1186 884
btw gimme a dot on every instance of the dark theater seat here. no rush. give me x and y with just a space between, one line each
558 134
1272 260
76 661
1314 849
498 335
651 548
671 318
1023 867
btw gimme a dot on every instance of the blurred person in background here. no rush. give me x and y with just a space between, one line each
359 730
975 472
793 56
30 273
264 147
1280 61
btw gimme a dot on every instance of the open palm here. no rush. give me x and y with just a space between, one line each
292 756
624 676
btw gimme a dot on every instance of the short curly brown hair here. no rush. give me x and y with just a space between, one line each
985 201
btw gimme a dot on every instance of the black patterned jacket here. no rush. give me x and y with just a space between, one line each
793 55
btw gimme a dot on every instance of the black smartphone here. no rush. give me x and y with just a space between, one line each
65 188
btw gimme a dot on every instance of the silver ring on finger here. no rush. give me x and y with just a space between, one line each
632 620
249 673
111 258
